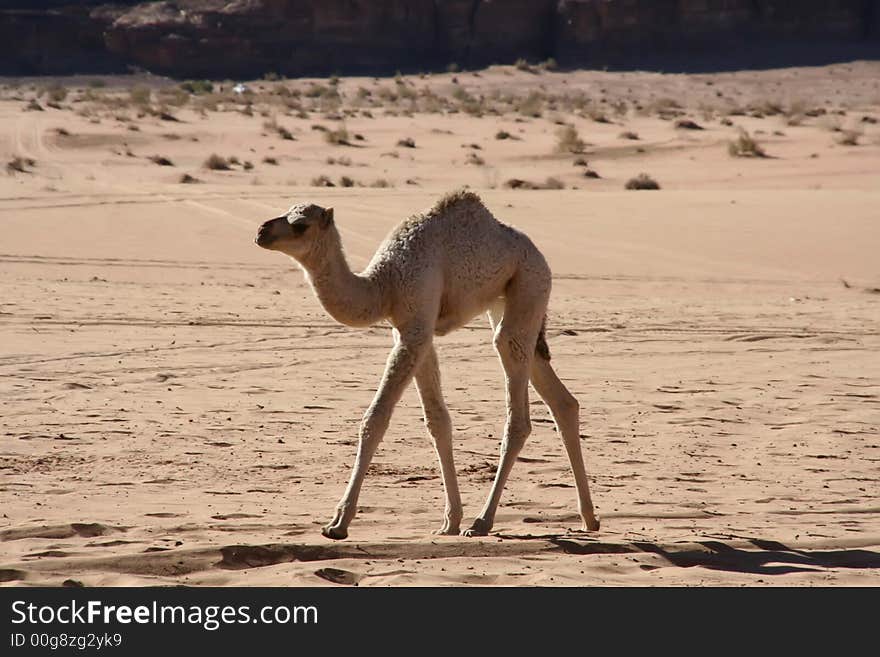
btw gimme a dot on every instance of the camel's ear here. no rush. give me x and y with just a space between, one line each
327 218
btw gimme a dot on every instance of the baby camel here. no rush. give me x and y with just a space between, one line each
431 275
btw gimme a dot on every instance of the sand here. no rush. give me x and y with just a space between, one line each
178 409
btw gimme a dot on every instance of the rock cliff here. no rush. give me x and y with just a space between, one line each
237 38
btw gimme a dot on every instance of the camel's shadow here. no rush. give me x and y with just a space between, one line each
770 557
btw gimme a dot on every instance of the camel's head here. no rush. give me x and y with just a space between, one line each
295 232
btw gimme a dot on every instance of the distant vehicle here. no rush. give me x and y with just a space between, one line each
239 88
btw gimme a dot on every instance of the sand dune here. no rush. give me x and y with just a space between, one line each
177 408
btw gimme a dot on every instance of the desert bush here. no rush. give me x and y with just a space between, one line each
522 65
140 95
532 105
381 183
503 134
568 140
57 93
473 158
598 115
322 181
247 165
339 137
745 146
642 181
687 124
161 160
590 173
174 96
320 91
217 163
33 106
549 183
62 132
849 137
406 142
549 64
187 179
19 164
345 181
197 87
628 134
270 160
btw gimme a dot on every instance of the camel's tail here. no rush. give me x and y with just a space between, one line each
542 348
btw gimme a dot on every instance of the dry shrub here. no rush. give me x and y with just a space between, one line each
568 140
339 137
522 65
532 105
549 183
161 160
849 137
687 124
19 164
642 181
322 181
745 146
217 163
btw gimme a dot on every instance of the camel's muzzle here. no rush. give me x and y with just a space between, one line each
264 235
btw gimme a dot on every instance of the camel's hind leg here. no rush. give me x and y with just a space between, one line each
515 338
440 428
565 410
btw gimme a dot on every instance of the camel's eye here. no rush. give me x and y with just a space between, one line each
298 229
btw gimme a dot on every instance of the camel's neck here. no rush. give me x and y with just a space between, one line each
351 299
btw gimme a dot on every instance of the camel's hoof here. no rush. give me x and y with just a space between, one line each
479 528
446 531
591 525
336 533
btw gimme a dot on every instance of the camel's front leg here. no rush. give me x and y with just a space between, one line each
440 428
408 351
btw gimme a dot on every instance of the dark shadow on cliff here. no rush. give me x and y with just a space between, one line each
737 56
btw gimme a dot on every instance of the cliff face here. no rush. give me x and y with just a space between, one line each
234 38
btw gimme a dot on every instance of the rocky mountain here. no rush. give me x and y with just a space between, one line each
239 38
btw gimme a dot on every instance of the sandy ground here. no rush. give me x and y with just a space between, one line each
178 409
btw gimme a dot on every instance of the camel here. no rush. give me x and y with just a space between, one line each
433 273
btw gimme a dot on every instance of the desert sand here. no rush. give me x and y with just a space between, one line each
178 409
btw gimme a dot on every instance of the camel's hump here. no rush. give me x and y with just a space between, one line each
459 197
